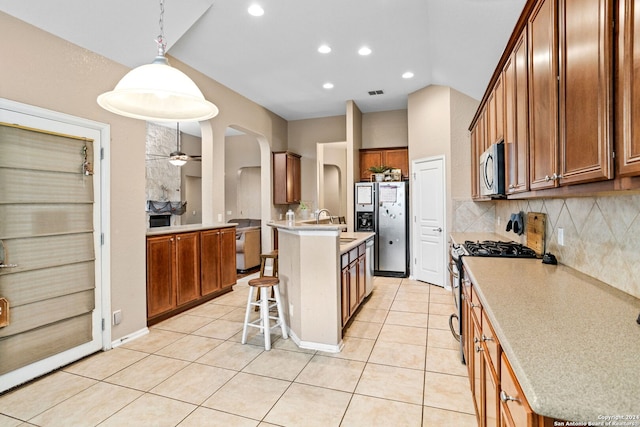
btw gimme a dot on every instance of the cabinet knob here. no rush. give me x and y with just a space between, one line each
555 176
472 305
505 397
485 338
478 349
547 178
476 340
178 238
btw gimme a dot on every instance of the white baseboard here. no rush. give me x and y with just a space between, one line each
310 345
137 334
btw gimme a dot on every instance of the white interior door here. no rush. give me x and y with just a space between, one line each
429 224
50 244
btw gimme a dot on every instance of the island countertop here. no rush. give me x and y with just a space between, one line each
573 341
157 231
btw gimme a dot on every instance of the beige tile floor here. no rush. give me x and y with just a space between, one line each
399 367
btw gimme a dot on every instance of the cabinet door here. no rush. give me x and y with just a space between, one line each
478 376
210 264
362 269
516 130
353 287
495 113
161 294
368 159
228 273
475 159
398 159
543 95
628 89
286 178
345 295
293 179
491 418
585 40
188 267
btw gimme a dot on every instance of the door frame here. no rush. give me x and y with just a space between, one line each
42 118
415 234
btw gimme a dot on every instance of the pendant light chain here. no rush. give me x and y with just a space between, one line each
162 45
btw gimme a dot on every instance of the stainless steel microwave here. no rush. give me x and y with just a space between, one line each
491 171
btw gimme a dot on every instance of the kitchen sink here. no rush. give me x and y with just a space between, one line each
347 239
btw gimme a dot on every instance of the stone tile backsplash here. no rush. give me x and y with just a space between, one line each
601 234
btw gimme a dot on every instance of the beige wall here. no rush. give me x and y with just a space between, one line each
385 129
438 121
48 72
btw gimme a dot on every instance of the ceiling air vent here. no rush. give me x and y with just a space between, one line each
376 92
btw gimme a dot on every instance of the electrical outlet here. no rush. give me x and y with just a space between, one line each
117 317
561 236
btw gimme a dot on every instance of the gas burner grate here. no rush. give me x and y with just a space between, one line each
490 248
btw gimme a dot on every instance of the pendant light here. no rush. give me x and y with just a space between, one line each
178 158
158 92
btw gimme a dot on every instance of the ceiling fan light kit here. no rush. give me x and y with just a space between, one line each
158 92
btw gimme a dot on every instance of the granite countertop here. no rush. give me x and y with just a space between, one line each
156 231
573 341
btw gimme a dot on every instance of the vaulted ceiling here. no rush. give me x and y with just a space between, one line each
273 59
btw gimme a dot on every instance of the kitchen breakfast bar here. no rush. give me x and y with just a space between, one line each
309 269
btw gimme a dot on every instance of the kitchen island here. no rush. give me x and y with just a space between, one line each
571 341
310 280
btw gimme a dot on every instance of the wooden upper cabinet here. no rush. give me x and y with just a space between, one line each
628 89
543 95
585 62
516 112
397 158
287 186
495 114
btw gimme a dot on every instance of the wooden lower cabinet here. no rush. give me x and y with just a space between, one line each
498 398
186 269
353 270
218 270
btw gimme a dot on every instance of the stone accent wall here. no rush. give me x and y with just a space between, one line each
162 178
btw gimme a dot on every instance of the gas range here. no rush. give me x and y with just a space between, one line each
491 248
485 248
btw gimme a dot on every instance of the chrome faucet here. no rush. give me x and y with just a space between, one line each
319 211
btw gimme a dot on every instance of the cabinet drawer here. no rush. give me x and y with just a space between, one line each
491 344
344 259
362 249
353 254
476 307
512 399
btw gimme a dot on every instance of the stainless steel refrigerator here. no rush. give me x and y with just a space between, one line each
383 207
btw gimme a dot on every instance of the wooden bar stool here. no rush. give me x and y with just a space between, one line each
273 256
263 323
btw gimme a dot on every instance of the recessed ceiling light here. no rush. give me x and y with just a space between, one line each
328 85
407 75
364 51
324 48
255 10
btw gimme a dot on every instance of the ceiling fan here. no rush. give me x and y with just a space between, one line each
177 157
